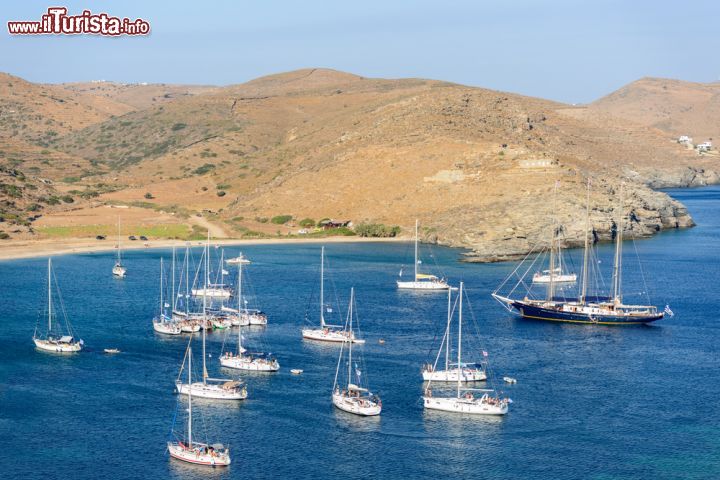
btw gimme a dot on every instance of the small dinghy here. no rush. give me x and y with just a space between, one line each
510 380
111 350
296 371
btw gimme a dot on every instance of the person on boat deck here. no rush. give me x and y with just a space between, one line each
429 392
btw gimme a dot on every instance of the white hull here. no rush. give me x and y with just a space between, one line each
237 260
257 319
328 335
211 292
167 328
557 278
475 406
189 327
198 456
119 272
250 364
57 347
423 285
213 391
356 405
467 375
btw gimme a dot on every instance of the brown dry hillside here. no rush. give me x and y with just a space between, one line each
137 95
476 166
673 106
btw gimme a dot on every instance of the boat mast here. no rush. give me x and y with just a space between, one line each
447 332
161 289
617 270
551 288
118 249
204 310
322 286
49 297
586 252
174 296
459 365
350 313
416 249
190 396
187 282
238 308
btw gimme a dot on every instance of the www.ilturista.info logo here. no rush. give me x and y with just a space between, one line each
58 22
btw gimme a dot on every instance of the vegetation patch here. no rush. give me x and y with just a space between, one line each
376 230
281 219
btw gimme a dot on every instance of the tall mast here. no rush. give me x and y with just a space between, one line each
447 332
118 249
189 396
174 296
187 282
49 297
322 287
586 252
617 270
238 304
350 313
551 288
416 249
459 361
161 289
204 310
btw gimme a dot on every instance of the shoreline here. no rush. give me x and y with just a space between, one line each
19 249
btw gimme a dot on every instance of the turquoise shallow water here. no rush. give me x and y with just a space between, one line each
590 402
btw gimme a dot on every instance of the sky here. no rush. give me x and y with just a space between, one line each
571 51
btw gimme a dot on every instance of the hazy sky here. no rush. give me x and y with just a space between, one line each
573 51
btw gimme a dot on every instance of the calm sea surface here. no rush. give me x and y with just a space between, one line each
590 402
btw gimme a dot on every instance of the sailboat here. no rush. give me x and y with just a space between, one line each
52 342
556 272
327 332
421 281
212 290
188 450
476 401
119 270
468 372
244 360
189 322
215 388
353 397
240 259
164 323
243 316
586 309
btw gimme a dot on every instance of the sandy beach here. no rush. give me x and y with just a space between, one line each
45 248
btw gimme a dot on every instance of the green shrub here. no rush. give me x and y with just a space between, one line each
149 196
178 126
67 199
376 230
4 236
307 222
221 193
203 169
281 219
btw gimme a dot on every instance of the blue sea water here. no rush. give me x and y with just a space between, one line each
590 402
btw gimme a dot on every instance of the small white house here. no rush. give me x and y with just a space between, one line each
684 139
704 147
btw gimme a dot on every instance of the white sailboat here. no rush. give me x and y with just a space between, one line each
243 316
468 372
188 450
353 397
421 281
327 332
212 290
163 323
52 342
214 388
189 322
119 270
475 401
556 272
240 259
244 360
